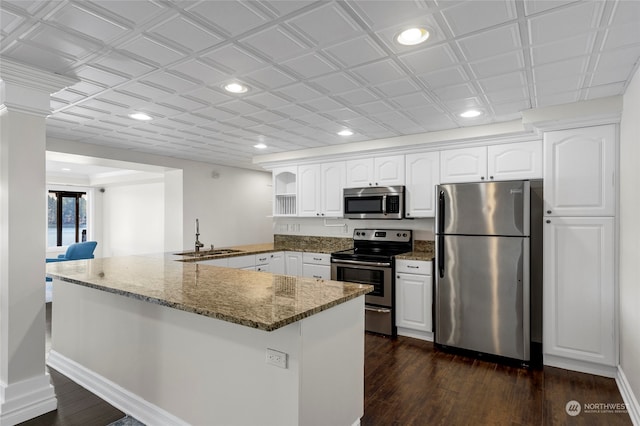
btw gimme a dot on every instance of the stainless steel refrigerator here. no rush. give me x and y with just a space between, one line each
488 267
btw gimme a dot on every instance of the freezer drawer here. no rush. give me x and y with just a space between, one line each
482 294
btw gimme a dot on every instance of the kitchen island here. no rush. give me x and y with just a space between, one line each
183 343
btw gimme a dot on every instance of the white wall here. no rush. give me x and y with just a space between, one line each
630 235
133 219
233 208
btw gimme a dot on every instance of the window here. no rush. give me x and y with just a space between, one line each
67 218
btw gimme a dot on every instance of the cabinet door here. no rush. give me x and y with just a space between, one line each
309 190
514 161
579 289
414 300
389 170
276 262
359 173
579 172
463 165
422 175
293 263
284 191
332 182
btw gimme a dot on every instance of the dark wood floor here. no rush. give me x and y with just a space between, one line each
409 382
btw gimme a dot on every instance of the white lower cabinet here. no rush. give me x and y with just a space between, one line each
414 296
316 265
276 263
579 330
243 262
293 263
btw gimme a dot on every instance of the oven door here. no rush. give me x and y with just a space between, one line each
377 274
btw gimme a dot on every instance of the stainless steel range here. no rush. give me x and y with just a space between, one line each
371 261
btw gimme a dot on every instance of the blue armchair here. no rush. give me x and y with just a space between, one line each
76 251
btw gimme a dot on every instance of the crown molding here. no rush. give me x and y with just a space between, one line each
33 78
576 114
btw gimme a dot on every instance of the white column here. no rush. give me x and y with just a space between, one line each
25 388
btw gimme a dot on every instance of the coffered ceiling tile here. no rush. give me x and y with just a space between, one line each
411 100
299 92
511 110
490 43
355 51
567 22
198 119
102 105
385 13
309 66
502 64
199 71
234 58
80 19
207 95
10 21
212 113
558 85
429 59
357 97
444 77
137 13
325 24
232 17
623 35
269 78
117 62
159 109
182 103
398 121
557 98
144 90
505 81
240 122
562 49
379 72
170 82
55 105
239 107
191 36
459 91
275 43
152 50
68 96
397 87
616 65
293 110
101 76
266 100
216 127
65 43
342 114
456 106
86 88
78 115
121 98
335 83
532 7
604 90
283 7
464 18
323 104
555 70
508 95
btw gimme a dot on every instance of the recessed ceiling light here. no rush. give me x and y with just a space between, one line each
140 116
235 87
413 36
260 146
345 132
472 113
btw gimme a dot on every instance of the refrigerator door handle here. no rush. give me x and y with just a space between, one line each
440 252
440 213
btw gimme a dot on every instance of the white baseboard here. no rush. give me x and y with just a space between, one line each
114 394
629 398
27 399
581 366
416 334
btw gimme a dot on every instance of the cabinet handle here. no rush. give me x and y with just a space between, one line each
491 177
412 267
317 276
548 211
317 258
548 221
376 183
481 177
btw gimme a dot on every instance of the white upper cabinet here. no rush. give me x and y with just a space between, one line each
320 189
514 161
378 171
579 171
511 161
284 191
463 165
422 175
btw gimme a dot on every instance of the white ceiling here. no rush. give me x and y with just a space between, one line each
314 67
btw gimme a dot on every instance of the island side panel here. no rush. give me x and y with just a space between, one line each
199 369
332 366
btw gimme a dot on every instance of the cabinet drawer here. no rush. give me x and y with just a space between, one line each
316 258
421 267
263 258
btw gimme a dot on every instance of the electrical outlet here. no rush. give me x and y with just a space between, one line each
277 358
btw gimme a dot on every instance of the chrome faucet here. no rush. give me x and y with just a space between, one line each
198 243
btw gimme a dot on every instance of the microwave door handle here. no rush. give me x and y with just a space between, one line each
384 204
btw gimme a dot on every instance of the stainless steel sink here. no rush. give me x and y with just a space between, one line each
202 253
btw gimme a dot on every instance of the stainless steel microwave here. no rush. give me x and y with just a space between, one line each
374 202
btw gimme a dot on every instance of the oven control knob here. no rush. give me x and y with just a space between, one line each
398 234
